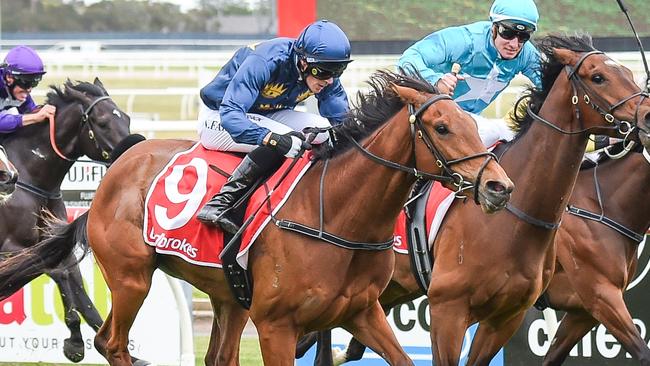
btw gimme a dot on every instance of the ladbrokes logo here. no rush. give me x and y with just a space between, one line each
178 245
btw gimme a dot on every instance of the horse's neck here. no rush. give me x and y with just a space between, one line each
31 152
363 198
623 186
544 163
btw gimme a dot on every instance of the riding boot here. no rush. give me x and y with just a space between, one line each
217 211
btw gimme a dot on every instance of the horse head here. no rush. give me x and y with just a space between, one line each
605 96
88 119
447 138
8 176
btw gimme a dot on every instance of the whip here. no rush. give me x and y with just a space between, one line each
638 41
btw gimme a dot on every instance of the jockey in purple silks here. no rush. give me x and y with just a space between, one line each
21 71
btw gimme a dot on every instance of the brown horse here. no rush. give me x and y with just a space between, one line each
600 261
493 272
596 262
8 176
300 283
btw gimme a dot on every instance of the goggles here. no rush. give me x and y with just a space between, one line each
26 82
326 70
509 34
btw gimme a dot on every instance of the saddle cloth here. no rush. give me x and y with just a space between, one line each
438 203
184 185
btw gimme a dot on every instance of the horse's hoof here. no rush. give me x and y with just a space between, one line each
141 363
73 350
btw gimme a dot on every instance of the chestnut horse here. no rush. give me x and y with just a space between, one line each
495 287
400 130
8 176
600 262
87 122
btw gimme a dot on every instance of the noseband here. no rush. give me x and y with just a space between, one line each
594 100
85 120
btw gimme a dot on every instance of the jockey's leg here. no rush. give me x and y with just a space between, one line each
257 165
492 130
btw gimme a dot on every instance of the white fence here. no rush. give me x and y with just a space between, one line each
202 66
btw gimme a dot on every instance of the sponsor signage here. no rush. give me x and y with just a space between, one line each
410 322
32 327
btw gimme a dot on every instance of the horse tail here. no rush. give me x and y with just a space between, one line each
21 267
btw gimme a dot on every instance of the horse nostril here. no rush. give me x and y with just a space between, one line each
499 188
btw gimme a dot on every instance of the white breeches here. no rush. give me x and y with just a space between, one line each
214 137
492 130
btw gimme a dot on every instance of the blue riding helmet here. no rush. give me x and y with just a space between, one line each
521 12
325 47
23 60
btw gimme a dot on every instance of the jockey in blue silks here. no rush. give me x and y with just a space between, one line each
21 71
249 107
490 53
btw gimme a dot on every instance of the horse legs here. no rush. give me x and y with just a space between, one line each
83 304
227 327
371 328
490 338
573 326
278 340
73 347
609 308
448 324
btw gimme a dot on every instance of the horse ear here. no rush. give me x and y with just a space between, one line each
69 90
564 56
407 95
98 83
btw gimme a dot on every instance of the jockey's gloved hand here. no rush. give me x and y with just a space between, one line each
288 144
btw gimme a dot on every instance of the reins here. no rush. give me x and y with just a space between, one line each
623 127
600 217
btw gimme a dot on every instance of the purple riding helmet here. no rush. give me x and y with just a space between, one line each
24 65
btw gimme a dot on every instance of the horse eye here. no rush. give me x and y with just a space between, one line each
598 79
441 129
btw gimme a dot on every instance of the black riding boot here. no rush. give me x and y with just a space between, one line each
218 210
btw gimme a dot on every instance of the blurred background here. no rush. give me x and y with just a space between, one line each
154 55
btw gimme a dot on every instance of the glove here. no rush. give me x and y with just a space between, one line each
288 144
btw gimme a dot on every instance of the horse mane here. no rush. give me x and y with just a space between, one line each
550 68
59 97
372 110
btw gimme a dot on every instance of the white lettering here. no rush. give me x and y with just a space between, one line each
163 242
602 340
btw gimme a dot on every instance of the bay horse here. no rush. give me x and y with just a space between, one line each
491 276
87 122
300 283
8 176
583 90
600 262
595 261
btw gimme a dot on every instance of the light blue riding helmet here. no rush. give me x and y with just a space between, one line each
523 12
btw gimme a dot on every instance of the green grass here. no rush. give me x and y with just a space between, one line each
249 353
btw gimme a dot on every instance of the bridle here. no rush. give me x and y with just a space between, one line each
418 131
594 101
86 120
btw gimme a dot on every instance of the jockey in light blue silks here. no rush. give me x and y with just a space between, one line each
249 107
490 53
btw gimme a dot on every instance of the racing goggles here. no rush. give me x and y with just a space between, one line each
326 70
27 81
509 34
